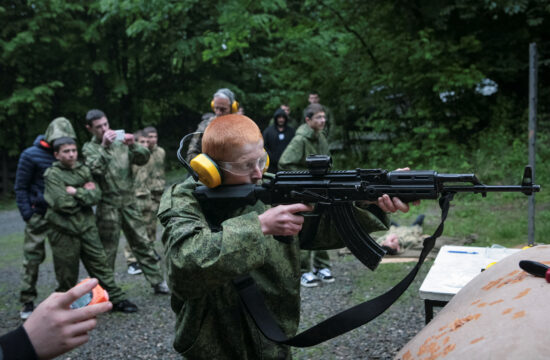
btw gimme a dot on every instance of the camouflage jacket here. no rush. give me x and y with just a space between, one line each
67 213
111 168
409 237
204 255
195 145
305 142
150 177
156 169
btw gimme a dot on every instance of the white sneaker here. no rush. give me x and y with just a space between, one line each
325 275
134 269
27 310
309 280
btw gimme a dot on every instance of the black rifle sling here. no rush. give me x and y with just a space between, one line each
344 321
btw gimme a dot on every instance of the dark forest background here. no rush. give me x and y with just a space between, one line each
432 84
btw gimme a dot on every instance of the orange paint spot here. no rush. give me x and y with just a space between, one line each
441 329
510 278
496 302
507 311
448 349
519 314
482 305
477 340
522 294
446 340
475 302
491 284
516 279
407 355
459 322
513 273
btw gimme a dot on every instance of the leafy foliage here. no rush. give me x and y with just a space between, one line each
444 84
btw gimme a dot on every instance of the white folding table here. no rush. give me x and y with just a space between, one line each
453 268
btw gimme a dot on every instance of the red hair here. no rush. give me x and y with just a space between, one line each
228 132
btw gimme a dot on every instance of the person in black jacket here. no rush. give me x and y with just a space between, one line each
29 196
276 138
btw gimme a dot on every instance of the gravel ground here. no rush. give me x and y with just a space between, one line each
149 333
11 222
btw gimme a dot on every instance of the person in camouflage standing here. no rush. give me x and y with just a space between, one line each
207 249
110 162
149 182
70 193
309 140
29 195
223 103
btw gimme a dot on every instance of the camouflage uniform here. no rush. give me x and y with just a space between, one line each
306 142
111 169
28 192
195 145
149 183
74 234
409 237
202 261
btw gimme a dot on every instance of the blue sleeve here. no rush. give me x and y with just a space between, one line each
23 180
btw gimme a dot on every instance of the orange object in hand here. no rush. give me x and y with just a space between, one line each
96 296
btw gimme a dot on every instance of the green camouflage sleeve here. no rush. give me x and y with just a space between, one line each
293 158
56 195
139 155
199 259
195 147
88 197
96 158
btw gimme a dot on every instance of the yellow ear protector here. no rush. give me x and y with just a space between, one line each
234 106
203 168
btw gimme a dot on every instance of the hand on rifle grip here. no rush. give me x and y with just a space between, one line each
283 220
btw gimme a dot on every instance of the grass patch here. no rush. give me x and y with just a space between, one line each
12 250
500 218
7 203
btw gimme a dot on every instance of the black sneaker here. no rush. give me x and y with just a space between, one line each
125 306
161 288
27 310
134 269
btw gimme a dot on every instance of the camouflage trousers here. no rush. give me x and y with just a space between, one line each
68 249
321 260
34 252
110 220
148 207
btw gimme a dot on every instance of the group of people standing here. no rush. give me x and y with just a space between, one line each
287 149
55 193
209 251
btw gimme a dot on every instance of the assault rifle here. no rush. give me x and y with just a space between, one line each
336 191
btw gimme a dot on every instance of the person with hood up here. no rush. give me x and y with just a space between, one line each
29 196
276 138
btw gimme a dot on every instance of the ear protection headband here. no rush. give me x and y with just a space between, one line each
203 168
234 106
